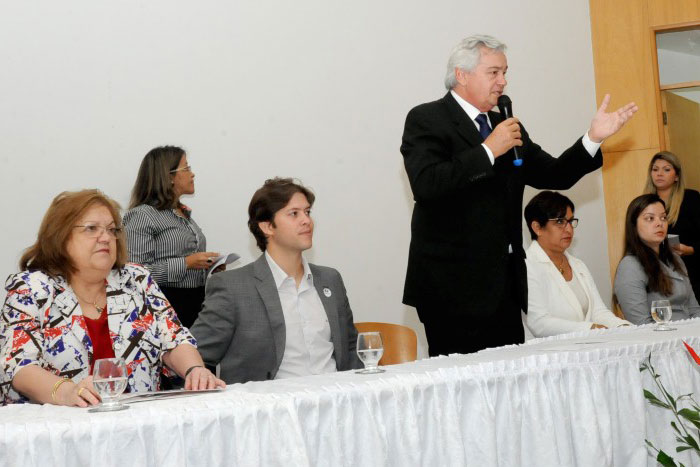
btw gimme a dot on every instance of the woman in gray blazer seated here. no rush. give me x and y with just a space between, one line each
562 296
650 270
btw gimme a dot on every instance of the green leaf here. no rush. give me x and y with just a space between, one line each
655 400
668 396
688 414
673 424
691 442
665 460
682 448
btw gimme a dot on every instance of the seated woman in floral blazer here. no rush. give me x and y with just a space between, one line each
77 301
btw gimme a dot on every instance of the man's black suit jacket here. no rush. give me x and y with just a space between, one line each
467 211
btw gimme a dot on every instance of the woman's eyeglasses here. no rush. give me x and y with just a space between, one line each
187 168
562 221
95 230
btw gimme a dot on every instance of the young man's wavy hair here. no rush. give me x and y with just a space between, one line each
270 198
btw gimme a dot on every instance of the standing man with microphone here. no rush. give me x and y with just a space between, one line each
466 265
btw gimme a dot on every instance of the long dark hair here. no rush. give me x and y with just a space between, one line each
650 261
154 182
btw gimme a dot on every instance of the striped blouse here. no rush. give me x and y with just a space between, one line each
160 240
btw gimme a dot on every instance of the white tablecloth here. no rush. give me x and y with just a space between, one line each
563 401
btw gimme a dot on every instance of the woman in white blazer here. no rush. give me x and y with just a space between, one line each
562 296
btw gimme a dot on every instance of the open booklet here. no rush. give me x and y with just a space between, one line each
219 260
159 395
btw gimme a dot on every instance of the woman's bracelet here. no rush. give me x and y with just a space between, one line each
192 368
57 385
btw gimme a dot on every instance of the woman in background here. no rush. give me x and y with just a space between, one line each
76 301
650 270
665 178
562 296
163 236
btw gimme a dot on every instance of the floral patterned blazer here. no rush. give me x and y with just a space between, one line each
42 324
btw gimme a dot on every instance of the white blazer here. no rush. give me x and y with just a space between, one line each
552 307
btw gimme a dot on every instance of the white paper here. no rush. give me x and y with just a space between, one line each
219 260
156 395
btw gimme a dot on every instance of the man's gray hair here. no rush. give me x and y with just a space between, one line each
467 54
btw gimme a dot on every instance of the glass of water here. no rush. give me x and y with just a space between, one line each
370 350
661 312
109 378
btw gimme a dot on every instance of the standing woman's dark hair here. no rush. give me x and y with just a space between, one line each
650 261
163 236
154 181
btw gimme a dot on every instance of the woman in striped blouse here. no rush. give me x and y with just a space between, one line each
163 236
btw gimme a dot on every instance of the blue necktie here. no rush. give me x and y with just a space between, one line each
484 128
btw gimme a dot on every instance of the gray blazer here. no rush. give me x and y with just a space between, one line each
241 325
631 292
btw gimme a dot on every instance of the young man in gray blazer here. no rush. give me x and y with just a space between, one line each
278 316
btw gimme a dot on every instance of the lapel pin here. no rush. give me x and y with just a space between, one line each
327 292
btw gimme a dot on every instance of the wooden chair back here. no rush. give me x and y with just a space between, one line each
400 342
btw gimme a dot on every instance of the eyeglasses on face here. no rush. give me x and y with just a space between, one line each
95 230
187 168
562 221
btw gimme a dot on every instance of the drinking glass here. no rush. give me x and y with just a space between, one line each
370 350
109 378
661 312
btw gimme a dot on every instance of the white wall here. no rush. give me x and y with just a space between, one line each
315 89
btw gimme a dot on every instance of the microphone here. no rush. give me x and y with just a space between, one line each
505 106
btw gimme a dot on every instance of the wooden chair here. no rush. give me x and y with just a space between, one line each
616 308
400 342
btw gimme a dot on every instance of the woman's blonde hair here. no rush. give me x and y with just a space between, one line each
673 206
49 253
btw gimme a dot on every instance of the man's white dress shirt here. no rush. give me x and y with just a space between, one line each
473 112
308 347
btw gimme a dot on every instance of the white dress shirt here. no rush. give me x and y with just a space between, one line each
577 288
473 112
308 348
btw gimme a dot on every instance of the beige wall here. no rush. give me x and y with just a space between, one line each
625 66
683 134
